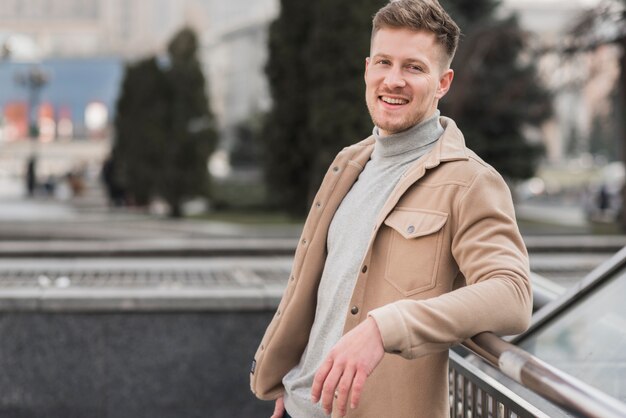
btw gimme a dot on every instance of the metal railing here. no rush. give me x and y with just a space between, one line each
475 394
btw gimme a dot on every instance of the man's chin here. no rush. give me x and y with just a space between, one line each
394 129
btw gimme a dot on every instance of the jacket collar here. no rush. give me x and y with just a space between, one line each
450 147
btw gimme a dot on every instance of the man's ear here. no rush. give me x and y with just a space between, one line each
367 63
445 81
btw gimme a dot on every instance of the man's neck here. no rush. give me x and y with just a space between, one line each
414 138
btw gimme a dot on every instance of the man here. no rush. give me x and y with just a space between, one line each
411 247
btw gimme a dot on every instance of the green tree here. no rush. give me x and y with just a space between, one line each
245 152
471 13
140 135
315 69
190 125
164 127
287 146
336 52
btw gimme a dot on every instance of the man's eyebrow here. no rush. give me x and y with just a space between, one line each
420 62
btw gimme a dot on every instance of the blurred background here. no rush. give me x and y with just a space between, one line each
157 159
196 108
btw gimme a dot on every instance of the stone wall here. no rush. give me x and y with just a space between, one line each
129 365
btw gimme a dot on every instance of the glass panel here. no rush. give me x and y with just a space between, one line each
588 339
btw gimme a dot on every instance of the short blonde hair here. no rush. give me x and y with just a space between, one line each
420 15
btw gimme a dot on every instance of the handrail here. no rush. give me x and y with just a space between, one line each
564 390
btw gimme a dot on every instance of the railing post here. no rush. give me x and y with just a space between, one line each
484 409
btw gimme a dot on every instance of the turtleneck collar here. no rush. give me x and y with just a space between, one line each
413 139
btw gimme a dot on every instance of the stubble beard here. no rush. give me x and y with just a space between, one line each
392 127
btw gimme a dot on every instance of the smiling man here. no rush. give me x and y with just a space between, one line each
411 247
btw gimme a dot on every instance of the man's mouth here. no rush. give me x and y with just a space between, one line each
393 100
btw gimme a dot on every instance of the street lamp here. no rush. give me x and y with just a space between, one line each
33 80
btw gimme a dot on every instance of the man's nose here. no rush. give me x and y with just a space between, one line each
394 79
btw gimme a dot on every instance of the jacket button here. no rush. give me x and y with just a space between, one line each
304 241
335 169
364 269
354 310
278 312
292 278
410 229
318 204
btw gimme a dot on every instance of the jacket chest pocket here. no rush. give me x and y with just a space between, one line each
414 249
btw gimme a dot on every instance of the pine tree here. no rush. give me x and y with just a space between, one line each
287 146
315 70
471 14
190 125
164 127
138 150
336 52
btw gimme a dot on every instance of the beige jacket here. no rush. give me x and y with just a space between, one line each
445 262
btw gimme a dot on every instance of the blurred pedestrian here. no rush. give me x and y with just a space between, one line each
603 199
49 185
31 175
115 191
76 182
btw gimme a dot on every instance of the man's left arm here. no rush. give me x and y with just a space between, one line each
491 255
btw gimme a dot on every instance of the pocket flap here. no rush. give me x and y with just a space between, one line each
413 223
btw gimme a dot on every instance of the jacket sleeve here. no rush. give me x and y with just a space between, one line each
492 257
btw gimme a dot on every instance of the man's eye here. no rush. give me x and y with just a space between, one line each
416 68
382 62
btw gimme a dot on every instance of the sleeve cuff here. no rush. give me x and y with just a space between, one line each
392 329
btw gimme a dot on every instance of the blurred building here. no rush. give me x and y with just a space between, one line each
234 50
547 18
73 86
233 37
583 83
232 33
62 28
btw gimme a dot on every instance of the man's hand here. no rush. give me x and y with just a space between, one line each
349 363
279 408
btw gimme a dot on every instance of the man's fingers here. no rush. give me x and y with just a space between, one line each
356 354
320 377
357 388
330 385
279 408
343 390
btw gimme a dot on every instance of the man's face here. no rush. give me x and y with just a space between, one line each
405 77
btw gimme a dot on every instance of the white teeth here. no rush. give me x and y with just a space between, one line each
394 101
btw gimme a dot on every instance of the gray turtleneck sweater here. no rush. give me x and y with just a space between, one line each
348 236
